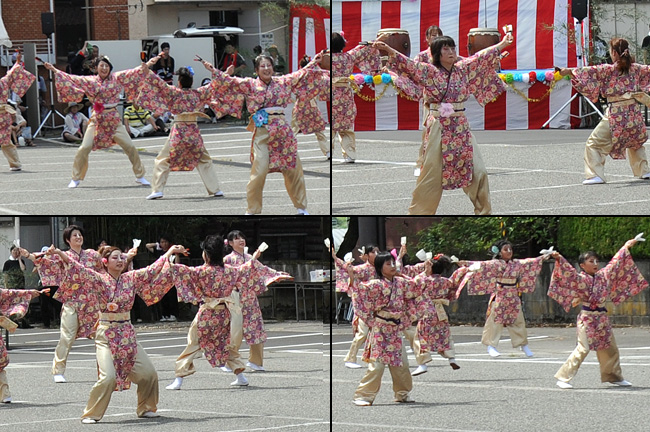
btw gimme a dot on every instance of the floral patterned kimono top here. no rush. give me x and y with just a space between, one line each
437 293
622 91
104 94
210 287
617 281
306 113
52 272
386 306
12 302
474 75
505 281
17 80
249 288
362 273
185 141
344 110
273 97
115 298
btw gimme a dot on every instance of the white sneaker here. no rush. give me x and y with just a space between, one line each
225 369
594 180
163 319
420 370
527 351
255 367
7 399
622 383
74 183
15 169
416 172
171 318
240 381
154 195
493 352
563 385
407 399
645 176
149 414
328 155
143 181
352 365
219 194
348 159
59 379
360 402
303 212
176 385
88 421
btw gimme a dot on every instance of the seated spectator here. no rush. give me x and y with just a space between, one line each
139 122
75 123
18 127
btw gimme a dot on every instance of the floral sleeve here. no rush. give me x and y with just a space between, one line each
307 82
227 94
131 80
564 283
71 88
588 80
369 297
81 283
258 272
14 302
50 269
480 72
422 74
155 94
366 58
19 79
152 282
186 280
624 276
483 280
342 276
528 269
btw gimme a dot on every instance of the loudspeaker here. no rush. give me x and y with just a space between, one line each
47 23
579 9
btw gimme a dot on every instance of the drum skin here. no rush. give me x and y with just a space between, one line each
398 39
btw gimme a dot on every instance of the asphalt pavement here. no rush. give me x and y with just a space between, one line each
291 395
41 186
530 172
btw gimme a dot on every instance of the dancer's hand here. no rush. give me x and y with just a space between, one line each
507 40
152 61
257 254
49 66
402 252
207 64
381 46
556 255
564 71
230 70
630 243
428 266
19 56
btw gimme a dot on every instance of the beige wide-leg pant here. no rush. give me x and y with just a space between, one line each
412 336
492 331
236 334
320 136
348 144
205 167
428 188
599 145
68 334
359 339
609 360
121 137
10 152
371 381
294 179
4 385
143 375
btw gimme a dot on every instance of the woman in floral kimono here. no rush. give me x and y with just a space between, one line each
17 80
13 305
386 304
274 147
120 358
78 315
616 282
451 159
211 285
344 110
105 128
505 279
623 128
184 149
348 277
250 324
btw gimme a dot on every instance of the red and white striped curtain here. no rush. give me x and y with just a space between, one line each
541 42
310 32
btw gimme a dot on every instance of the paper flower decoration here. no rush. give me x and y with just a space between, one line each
368 79
446 109
376 79
261 117
386 78
359 80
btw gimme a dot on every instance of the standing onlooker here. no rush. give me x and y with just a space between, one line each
232 57
14 276
279 63
165 66
75 123
169 303
645 45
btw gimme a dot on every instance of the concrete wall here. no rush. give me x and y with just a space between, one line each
628 20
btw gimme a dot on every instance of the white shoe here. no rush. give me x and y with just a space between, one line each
493 352
7 399
163 319
143 181
645 176
176 385
74 183
416 172
622 383
328 155
154 195
348 159
15 169
407 399
59 378
563 385
149 414
420 370
225 369
171 318
219 194
303 212
240 381
88 421
352 365
594 180
255 367
360 402
527 351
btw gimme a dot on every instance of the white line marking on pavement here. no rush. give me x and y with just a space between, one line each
402 427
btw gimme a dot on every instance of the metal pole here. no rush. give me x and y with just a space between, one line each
34 111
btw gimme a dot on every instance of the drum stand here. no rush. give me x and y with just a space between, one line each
581 63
